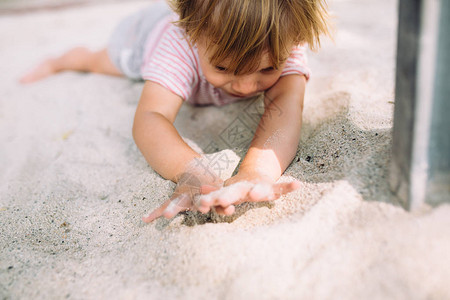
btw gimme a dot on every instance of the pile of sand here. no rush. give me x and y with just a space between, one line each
73 185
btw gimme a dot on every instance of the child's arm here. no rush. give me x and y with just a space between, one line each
155 135
165 150
277 136
273 147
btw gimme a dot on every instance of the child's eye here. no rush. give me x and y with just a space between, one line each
221 69
268 70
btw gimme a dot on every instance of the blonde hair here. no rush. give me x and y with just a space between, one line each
243 30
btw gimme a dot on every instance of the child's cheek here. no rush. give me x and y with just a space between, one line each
217 80
271 80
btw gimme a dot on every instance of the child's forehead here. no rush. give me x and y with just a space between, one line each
264 61
208 50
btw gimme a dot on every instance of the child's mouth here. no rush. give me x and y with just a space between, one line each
242 95
237 95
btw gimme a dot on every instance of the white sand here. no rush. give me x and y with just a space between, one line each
73 185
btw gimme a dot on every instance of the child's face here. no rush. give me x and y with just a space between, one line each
244 86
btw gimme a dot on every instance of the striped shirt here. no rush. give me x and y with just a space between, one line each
170 61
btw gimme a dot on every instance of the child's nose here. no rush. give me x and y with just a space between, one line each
245 86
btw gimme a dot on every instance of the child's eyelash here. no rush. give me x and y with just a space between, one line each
219 68
269 69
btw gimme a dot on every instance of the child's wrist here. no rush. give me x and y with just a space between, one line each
199 167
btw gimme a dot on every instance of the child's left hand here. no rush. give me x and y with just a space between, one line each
237 190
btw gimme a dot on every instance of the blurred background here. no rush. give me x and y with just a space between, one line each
23 6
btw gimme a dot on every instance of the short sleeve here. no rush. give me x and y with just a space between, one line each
172 64
297 62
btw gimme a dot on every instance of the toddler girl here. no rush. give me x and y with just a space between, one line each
211 52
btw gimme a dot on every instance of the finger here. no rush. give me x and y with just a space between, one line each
155 214
236 193
262 192
285 188
204 209
197 204
206 189
226 211
267 192
227 195
180 203
229 210
207 200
